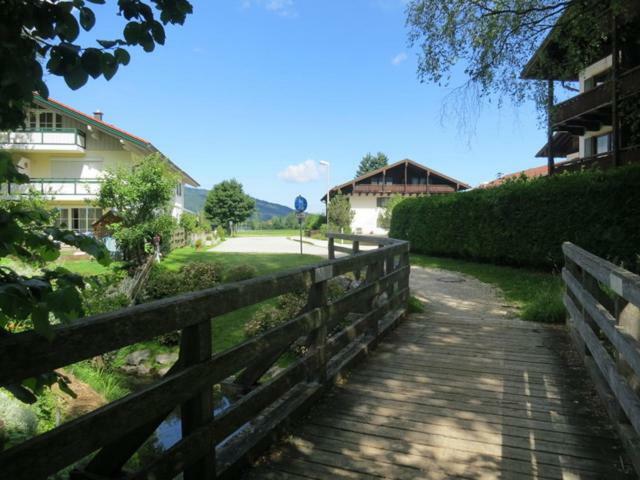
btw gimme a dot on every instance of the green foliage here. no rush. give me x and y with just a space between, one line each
495 40
314 221
102 294
269 316
340 213
384 218
50 296
227 202
163 282
240 272
524 222
415 305
141 197
369 163
198 244
34 34
546 306
221 233
189 222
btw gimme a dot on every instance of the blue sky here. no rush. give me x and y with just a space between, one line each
248 88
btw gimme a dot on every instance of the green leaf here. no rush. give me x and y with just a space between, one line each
99 2
91 62
122 56
87 18
107 43
157 30
132 33
67 27
109 65
40 318
76 77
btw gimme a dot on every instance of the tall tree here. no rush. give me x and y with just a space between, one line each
340 214
227 202
369 163
493 40
39 38
141 198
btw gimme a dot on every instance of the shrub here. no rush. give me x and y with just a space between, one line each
198 244
221 233
524 222
240 272
546 307
162 283
200 275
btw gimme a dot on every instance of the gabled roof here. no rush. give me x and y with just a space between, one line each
462 185
541 171
110 130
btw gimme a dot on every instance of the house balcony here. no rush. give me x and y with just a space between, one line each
58 188
409 189
628 155
590 110
67 140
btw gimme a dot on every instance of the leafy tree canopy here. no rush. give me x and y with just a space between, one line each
494 39
39 38
227 202
369 163
340 213
141 199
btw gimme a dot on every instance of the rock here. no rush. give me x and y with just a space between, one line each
163 371
137 357
143 370
381 300
166 358
343 281
354 284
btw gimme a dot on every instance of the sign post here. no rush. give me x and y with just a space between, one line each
300 205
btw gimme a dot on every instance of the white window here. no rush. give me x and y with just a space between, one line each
179 189
39 119
78 219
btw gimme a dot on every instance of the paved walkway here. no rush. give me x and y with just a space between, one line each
464 390
271 245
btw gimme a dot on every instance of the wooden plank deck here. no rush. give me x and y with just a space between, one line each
462 391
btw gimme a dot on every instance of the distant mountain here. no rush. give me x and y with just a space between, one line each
194 199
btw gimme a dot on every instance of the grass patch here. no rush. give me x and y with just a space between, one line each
538 295
112 385
268 233
414 305
264 262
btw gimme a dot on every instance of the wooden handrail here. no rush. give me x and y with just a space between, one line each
596 293
118 428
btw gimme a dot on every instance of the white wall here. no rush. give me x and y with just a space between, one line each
366 215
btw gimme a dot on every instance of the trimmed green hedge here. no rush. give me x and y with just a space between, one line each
524 222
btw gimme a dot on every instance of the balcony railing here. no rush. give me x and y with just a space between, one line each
54 186
402 188
44 136
598 97
628 155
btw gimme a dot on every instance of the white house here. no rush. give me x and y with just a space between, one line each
65 153
369 193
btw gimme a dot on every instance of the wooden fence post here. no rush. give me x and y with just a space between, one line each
319 298
355 248
332 248
195 347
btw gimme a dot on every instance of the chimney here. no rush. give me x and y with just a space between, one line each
97 115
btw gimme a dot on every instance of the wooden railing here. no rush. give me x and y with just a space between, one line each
402 188
335 333
628 156
602 300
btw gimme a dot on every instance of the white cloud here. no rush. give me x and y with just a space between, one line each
399 58
304 172
284 8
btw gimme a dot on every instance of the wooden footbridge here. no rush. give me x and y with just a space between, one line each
457 392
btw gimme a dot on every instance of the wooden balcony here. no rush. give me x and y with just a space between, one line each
408 189
582 108
604 161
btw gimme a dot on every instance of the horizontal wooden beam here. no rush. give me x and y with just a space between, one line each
626 396
625 344
621 281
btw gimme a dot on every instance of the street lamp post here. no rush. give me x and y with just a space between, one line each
328 165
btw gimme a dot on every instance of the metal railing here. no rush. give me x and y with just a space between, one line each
54 186
45 136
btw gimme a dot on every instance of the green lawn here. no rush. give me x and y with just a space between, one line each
85 267
269 233
264 262
537 294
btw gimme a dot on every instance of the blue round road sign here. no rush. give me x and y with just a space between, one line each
300 204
